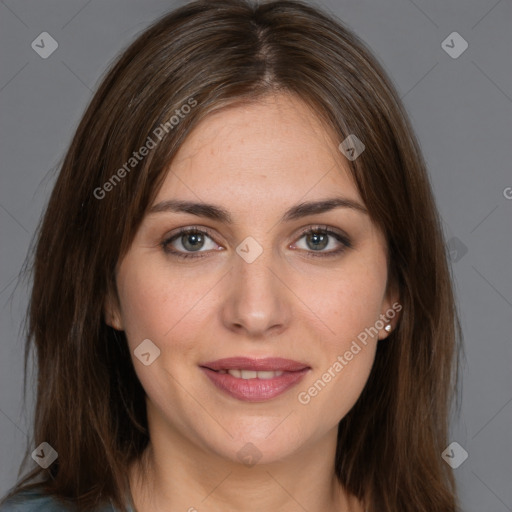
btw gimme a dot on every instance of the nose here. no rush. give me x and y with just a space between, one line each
257 303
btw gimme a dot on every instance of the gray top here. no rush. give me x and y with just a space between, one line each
35 501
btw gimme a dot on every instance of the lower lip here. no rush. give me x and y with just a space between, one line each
254 390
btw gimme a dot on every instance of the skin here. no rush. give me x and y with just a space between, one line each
255 161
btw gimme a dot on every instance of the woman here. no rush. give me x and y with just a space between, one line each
241 299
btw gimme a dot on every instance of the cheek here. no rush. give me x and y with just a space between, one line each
154 301
143 304
158 306
352 301
341 374
350 306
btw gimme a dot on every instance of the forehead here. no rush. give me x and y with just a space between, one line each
271 148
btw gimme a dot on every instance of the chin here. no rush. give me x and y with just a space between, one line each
255 444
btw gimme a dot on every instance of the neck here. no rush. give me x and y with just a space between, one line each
180 476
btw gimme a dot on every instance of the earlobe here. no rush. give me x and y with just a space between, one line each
387 328
112 313
386 331
390 316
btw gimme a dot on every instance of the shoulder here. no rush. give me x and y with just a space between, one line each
31 501
34 500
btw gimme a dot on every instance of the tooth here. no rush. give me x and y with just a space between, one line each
251 374
266 375
248 374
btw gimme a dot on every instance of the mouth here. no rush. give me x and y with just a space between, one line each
254 380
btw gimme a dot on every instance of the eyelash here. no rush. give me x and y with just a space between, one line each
343 239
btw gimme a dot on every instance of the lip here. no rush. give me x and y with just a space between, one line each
255 390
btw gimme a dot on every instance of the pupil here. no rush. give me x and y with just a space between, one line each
196 241
316 237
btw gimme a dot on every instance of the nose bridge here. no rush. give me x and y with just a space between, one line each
252 270
257 298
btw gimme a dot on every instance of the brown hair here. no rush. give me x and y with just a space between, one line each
210 54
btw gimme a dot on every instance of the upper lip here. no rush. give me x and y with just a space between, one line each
247 363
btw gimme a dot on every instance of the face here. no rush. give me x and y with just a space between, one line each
282 297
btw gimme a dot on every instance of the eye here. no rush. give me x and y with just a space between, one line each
318 238
188 240
192 242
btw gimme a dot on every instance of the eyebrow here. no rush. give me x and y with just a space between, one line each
220 214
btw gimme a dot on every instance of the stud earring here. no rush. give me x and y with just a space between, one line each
388 328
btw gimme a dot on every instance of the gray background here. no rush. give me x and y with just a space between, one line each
461 111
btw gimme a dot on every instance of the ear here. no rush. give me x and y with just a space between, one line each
112 311
390 313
